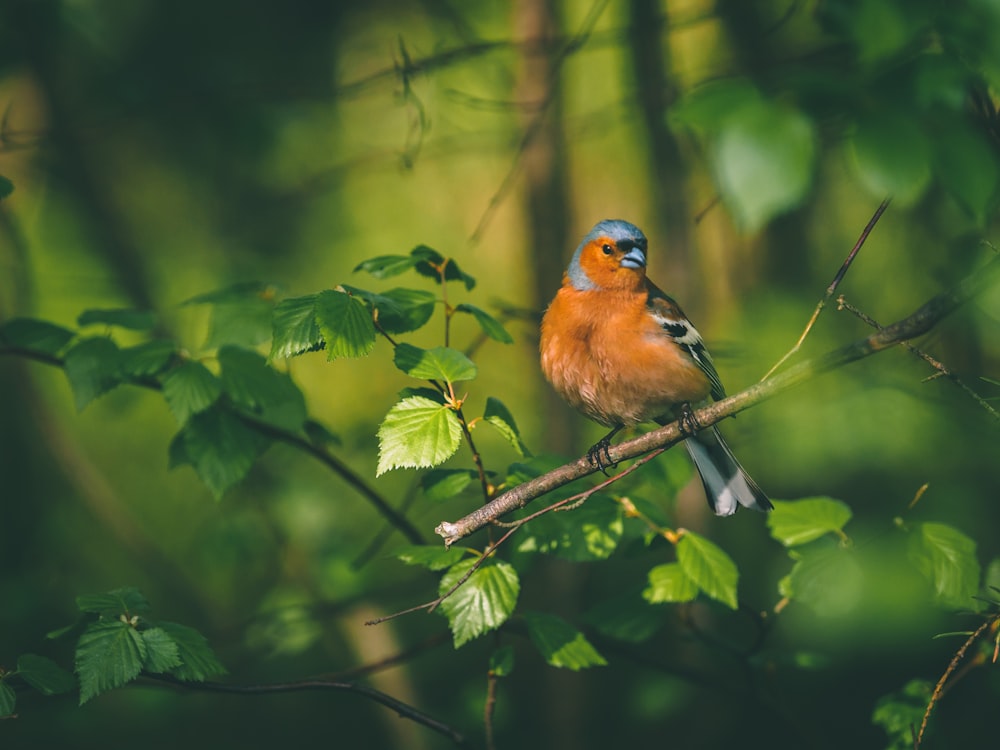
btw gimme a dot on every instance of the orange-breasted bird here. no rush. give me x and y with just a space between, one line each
622 352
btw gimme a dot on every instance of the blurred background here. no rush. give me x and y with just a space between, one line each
158 151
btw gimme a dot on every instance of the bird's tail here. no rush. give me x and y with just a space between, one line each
727 485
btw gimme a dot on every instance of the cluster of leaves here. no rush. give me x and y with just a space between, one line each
116 642
763 136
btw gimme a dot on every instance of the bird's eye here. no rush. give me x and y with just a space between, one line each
607 249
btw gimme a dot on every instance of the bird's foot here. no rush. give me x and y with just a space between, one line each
599 454
687 422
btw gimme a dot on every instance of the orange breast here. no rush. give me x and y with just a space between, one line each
610 360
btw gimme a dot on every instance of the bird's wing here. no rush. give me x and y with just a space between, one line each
675 324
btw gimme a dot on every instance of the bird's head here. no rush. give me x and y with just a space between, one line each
611 256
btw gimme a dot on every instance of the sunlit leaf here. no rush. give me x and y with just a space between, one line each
481 604
346 324
560 644
590 532
126 601
108 655
399 310
828 580
35 336
439 363
802 521
417 433
269 395
441 484
221 447
500 417
294 329
669 583
705 563
490 325
189 389
162 654
198 661
947 559
430 556
44 674
134 320
92 366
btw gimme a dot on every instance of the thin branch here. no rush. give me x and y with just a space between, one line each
833 285
402 709
918 323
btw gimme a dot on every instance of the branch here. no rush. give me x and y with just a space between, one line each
918 323
402 709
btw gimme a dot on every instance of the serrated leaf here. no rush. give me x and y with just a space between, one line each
899 712
385 266
146 359
483 602
398 310
441 484
500 417
502 661
490 325
590 532
429 261
763 162
92 368
269 395
198 661
8 700
294 329
669 583
626 617
242 322
417 433
892 156
126 601
189 389
221 447
162 654
802 521
133 320
828 581
44 675
108 655
35 335
346 324
430 556
705 563
947 559
560 644
439 363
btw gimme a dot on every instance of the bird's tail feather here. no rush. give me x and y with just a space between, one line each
727 485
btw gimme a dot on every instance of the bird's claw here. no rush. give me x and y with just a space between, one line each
688 422
599 455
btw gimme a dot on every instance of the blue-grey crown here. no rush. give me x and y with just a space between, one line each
625 235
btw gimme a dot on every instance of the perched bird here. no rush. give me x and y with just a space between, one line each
622 352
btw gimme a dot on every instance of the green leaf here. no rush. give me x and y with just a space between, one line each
294 329
398 310
346 324
828 581
966 164
892 156
269 395
898 713
241 317
147 359
708 108
6 188
92 369
669 583
417 433
385 266
8 700
198 661
707 565
947 559
763 162
430 556
802 521
483 602
133 320
441 484
590 532
220 447
560 643
439 363
500 417
626 617
126 601
430 260
44 675
502 661
233 294
35 335
190 388
490 325
108 655
162 654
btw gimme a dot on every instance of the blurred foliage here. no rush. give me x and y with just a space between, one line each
213 221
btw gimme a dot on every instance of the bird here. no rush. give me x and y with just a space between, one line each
622 352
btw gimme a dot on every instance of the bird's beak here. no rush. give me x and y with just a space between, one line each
634 258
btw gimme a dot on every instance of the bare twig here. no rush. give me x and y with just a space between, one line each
918 323
833 286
